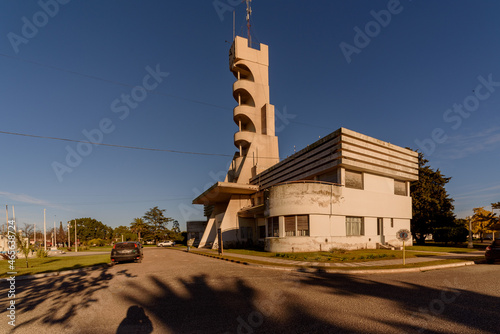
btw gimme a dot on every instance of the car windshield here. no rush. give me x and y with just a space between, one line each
125 246
496 243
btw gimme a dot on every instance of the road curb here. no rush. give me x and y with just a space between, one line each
310 269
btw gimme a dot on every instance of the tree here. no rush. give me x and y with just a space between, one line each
24 246
28 230
125 231
138 226
176 227
432 206
157 223
457 233
89 228
61 235
483 221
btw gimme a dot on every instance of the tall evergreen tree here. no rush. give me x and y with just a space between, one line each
432 206
157 223
62 236
139 226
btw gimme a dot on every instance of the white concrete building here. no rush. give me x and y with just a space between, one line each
346 190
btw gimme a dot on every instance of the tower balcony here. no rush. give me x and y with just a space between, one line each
243 85
242 112
243 138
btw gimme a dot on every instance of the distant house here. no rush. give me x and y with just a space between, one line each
347 190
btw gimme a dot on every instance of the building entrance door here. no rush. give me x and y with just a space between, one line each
380 229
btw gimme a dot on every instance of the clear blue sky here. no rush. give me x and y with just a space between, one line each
71 70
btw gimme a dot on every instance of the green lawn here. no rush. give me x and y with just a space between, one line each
50 264
227 256
360 255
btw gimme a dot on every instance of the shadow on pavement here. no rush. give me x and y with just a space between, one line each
231 308
79 288
136 322
203 305
429 309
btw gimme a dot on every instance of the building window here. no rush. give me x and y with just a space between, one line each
273 227
303 225
400 188
353 179
290 226
355 226
297 226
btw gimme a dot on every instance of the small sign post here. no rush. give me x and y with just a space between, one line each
190 244
403 235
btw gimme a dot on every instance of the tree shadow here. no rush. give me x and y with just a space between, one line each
77 288
203 305
427 308
196 306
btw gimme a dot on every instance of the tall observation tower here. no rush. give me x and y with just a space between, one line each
255 140
256 143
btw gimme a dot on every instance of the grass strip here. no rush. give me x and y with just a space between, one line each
334 256
51 264
325 268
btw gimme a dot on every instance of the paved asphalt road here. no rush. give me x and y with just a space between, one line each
176 292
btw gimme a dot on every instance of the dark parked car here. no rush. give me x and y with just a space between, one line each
126 251
493 251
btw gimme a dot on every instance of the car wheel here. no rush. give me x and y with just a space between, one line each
490 261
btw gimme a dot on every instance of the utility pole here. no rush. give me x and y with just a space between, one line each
69 236
7 218
44 232
55 235
76 240
14 218
34 234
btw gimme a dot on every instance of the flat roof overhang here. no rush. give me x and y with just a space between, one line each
222 192
252 212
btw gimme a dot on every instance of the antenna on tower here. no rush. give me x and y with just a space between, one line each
249 12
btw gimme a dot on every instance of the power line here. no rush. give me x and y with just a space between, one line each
113 145
114 82
93 77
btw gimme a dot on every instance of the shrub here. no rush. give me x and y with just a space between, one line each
6 256
96 242
453 234
41 253
337 250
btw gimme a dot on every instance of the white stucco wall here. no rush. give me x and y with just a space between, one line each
329 205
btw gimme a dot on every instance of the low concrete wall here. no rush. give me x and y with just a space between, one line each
314 244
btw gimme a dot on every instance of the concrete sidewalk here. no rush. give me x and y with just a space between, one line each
361 265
